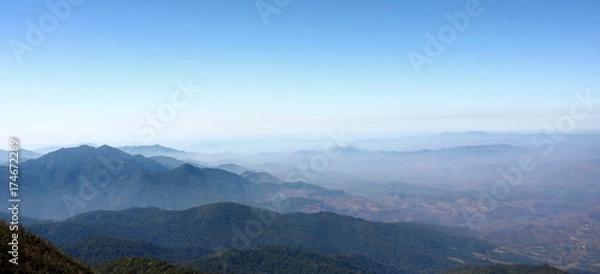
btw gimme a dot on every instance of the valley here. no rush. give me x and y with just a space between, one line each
549 217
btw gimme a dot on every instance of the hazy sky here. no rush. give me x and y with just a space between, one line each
100 68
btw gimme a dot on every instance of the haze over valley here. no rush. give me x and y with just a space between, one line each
288 136
538 203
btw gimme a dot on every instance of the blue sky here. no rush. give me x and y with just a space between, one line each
316 66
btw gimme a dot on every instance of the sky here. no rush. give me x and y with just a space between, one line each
145 72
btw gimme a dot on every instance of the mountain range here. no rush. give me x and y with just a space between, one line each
550 217
69 181
24 156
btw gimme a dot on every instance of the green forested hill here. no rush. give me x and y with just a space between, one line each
101 250
507 269
139 265
277 259
36 255
403 246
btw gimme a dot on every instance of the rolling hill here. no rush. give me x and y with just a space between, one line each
507 269
277 259
405 247
140 265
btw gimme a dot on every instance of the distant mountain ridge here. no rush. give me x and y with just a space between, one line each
152 150
260 177
24 155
